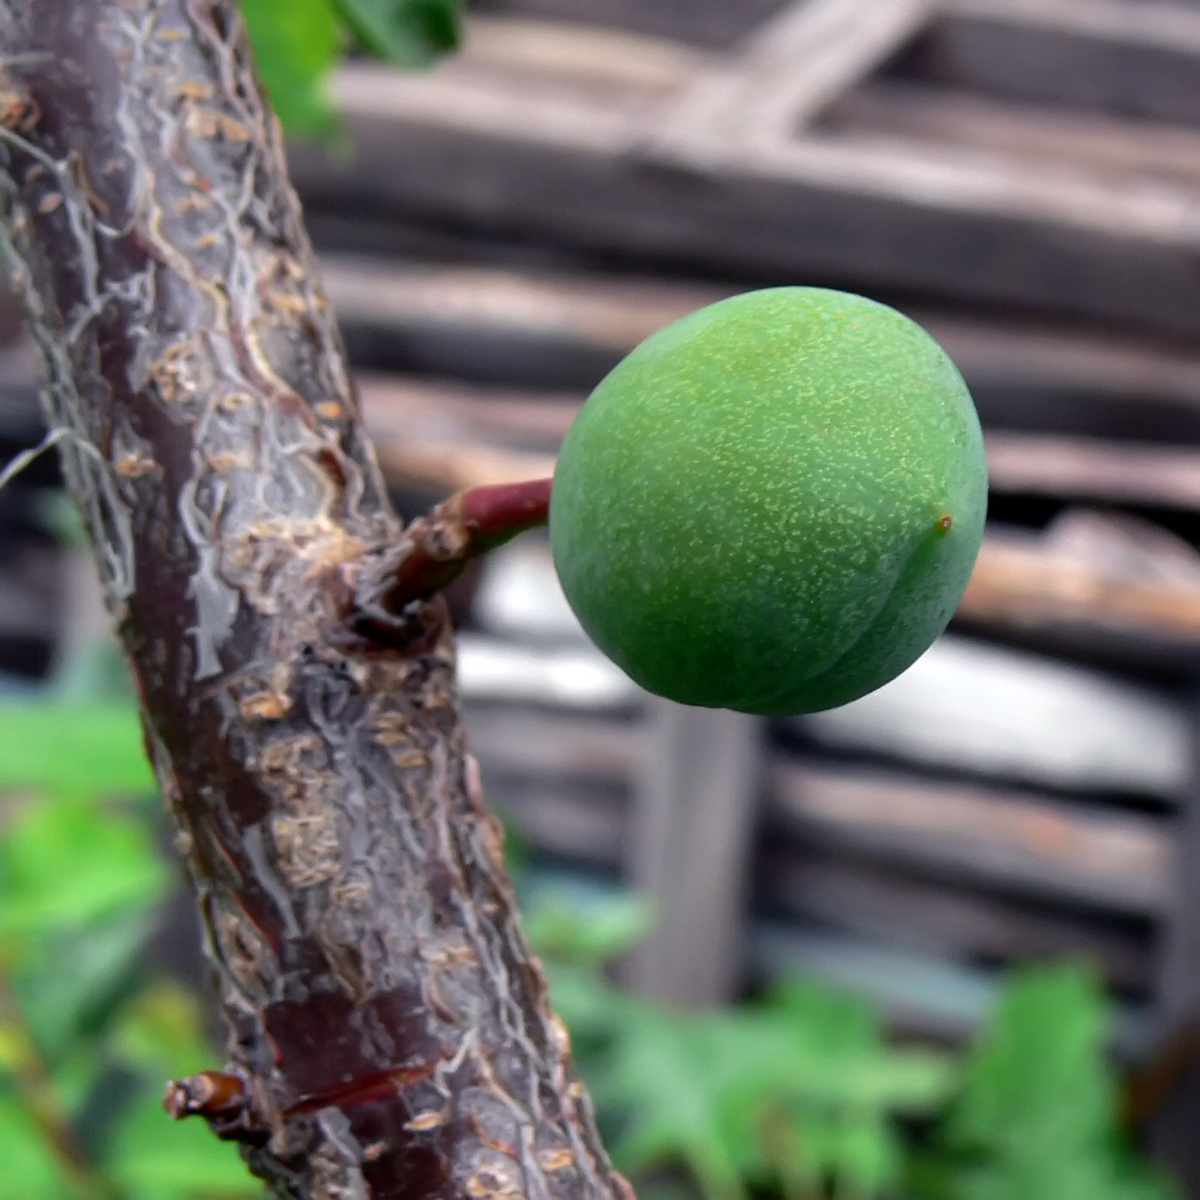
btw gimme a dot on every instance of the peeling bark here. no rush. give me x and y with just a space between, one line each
389 1032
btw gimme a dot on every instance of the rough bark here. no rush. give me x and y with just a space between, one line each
389 1033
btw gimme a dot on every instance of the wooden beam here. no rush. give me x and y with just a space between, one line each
539 760
600 57
1096 143
917 994
781 76
712 23
989 711
694 813
964 924
1112 604
523 153
604 312
440 438
503 323
1021 583
515 741
1117 861
445 436
1137 59
611 314
1095 469
573 678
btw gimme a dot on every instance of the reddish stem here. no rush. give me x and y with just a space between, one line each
438 546
496 514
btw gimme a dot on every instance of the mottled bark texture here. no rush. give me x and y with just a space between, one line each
387 1022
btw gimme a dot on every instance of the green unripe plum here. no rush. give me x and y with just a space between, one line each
772 505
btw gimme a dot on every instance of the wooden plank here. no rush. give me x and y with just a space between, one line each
1101 144
578 678
1116 590
439 438
523 742
518 596
499 152
1140 59
919 994
586 53
970 707
517 419
712 23
604 316
1062 381
1021 584
1114 860
582 825
1112 588
786 71
1094 469
602 312
951 922
694 811
1179 987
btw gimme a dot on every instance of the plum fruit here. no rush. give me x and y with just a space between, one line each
772 505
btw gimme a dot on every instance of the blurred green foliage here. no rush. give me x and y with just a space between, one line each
89 1032
1036 1117
299 42
797 1095
787 1095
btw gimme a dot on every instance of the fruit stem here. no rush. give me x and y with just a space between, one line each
437 546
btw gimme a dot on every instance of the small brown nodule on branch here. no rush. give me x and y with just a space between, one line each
223 1100
438 546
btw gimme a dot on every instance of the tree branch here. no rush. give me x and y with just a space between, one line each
387 1022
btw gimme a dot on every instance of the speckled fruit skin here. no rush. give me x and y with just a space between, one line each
772 505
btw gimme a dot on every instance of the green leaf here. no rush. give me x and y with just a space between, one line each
161 1035
163 1032
1037 1116
593 1010
410 33
836 1051
1040 1071
663 1074
80 749
68 864
592 930
296 44
71 982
